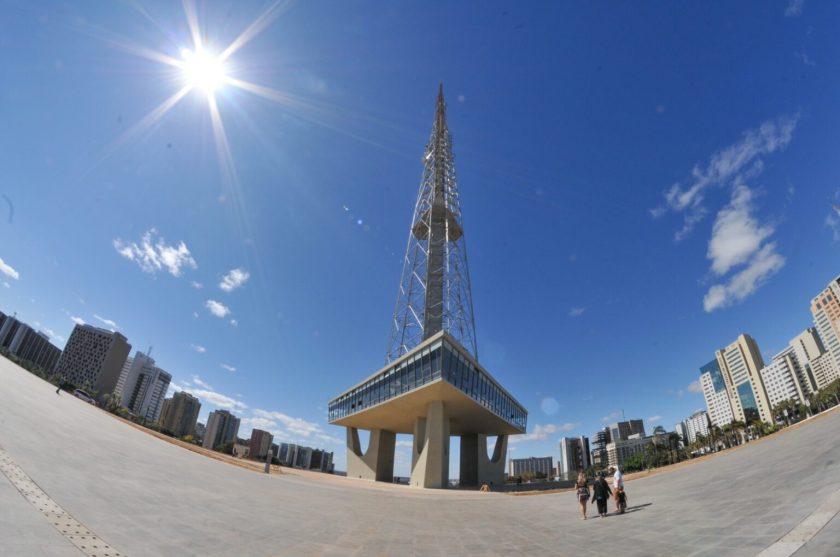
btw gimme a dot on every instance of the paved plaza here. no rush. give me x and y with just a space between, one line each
144 496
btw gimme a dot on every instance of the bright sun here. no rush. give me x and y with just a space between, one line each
202 70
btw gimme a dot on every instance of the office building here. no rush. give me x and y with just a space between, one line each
538 466
574 456
807 347
781 379
27 344
825 308
682 431
432 385
696 424
623 430
599 448
93 358
740 363
716 394
142 386
260 444
621 450
307 458
222 427
179 414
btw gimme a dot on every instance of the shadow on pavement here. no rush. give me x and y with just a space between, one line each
635 508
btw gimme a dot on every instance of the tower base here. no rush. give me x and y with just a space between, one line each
377 463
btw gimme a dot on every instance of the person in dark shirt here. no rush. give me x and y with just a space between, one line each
601 493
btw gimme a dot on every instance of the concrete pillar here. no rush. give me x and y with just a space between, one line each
430 449
377 463
476 468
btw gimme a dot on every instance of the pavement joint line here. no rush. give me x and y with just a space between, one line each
73 531
803 532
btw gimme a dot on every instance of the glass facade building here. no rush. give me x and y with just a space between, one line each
713 369
440 360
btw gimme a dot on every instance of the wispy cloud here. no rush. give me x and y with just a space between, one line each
197 285
6 284
7 270
153 254
737 240
196 380
228 367
804 58
77 320
654 419
735 163
296 426
198 348
234 323
218 399
542 432
576 312
611 417
107 322
217 308
695 387
794 8
234 279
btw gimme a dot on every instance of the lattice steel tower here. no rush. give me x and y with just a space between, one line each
434 293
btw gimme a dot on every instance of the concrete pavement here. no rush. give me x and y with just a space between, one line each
144 496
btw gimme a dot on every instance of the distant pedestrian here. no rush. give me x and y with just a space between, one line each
60 384
582 493
618 485
600 493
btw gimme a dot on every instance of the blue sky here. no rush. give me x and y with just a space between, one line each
640 184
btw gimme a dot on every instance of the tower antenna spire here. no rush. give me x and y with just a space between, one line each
435 293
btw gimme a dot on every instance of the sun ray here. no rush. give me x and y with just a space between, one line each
257 27
156 114
192 21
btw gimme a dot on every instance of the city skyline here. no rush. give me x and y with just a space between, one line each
621 187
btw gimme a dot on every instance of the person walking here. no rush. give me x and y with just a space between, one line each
60 384
582 493
618 486
600 494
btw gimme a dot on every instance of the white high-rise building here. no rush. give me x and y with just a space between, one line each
716 395
825 308
781 379
142 386
740 363
697 424
807 347
574 455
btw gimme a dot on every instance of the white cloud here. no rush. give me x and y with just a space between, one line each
576 312
197 285
197 381
833 223
763 265
735 163
216 308
153 254
228 367
77 320
654 419
541 432
198 348
611 417
234 323
7 270
804 58
234 279
297 426
695 387
736 234
6 284
794 8
107 322
217 399
549 405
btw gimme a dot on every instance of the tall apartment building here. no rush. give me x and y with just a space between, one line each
260 443
142 386
222 427
93 357
180 413
825 308
26 343
696 424
808 347
574 455
716 394
622 431
781 379
740 363
537 465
